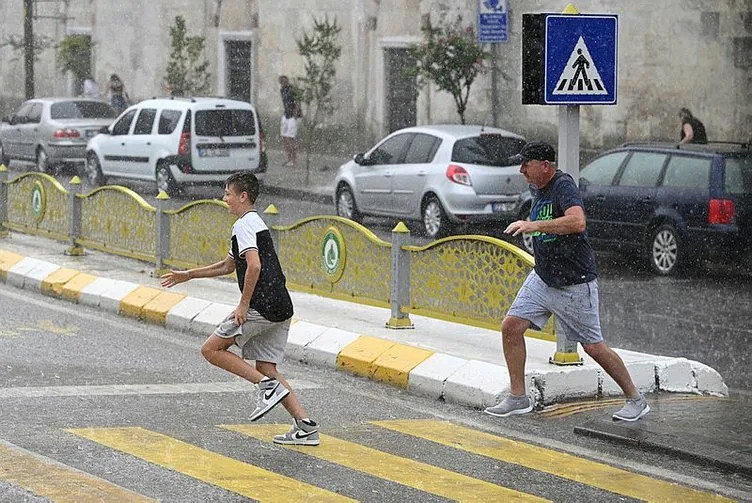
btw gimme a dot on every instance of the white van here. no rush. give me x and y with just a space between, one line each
178 141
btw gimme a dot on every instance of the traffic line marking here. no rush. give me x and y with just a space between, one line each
222 471
556 463
61 484
390 467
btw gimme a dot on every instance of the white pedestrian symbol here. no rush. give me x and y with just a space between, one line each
580 76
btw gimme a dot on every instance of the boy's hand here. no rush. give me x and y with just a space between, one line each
173 278
240 314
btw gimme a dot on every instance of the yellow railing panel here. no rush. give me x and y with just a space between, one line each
199 233
37 204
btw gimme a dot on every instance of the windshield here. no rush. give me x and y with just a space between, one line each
225 123
487 149
81 110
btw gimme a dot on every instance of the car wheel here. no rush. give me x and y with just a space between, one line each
346 206
93 171
3 158
435 222
165 181
664 252
43 163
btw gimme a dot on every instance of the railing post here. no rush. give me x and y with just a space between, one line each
74 212
3 201
400 293
163 233
271 217
566 351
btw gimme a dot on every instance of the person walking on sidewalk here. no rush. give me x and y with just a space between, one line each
289 121
563 282
259 324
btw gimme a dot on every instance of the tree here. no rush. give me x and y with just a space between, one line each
320 52
74 55
186 72
451 58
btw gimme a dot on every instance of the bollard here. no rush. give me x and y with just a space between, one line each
566 351
271 217
163 234
3 201
400 293
74 210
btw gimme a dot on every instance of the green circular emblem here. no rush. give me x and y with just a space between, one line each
333 254
38 200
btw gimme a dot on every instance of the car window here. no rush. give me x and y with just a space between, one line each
390 152
642 169
738 176
689 172
602 170
168 121
145 121
81 110
422 149
124 124
487 149
225 123
35 114
20 116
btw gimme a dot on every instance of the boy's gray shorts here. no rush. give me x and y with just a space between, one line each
258 339
575 308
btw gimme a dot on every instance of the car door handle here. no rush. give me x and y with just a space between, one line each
647 199
148 143
421 173
600 198
388 174
123 144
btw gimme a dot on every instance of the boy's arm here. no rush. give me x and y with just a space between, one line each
173 278
249 285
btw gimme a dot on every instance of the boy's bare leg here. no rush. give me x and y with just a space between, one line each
215 350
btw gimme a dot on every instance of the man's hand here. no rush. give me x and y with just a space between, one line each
173 278
520 227
240 314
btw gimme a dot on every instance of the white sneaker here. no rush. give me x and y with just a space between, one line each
301 433
271 392
634 409
511 406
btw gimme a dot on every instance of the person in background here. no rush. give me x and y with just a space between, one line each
692 130
289 122
119 99
91 89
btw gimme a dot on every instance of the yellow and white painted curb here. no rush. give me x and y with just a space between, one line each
421 371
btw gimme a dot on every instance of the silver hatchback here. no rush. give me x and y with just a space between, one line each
51 131
440 175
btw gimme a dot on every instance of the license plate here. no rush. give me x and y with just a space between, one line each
213 152
502 207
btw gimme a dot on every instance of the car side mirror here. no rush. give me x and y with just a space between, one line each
584 183
359 159
105 130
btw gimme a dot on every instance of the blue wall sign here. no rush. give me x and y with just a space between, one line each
493 20
581 59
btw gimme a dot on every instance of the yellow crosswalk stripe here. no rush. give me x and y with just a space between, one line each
557 463
404 471
222 471
59 483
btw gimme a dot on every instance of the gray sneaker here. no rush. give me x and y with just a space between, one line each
511 406
301 433
271 392
633 409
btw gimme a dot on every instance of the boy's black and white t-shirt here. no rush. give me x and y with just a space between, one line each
270 296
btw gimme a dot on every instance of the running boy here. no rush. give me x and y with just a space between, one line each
260 323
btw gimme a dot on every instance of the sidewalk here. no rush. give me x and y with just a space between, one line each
314 184
443 360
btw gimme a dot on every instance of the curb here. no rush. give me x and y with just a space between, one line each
440 376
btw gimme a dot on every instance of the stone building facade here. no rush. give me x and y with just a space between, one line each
672 54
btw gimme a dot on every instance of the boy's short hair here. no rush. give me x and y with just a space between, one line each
244 181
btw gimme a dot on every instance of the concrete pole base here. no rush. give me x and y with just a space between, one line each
399 323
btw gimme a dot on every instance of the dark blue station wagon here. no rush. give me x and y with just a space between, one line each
675 206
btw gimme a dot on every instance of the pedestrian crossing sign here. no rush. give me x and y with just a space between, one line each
580 59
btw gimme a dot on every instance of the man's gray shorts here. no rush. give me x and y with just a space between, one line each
259 339
575 308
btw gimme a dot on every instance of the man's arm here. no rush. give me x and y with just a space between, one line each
573 222
173 278
252 273
689 133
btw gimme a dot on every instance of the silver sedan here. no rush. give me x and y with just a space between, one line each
440 175
51 131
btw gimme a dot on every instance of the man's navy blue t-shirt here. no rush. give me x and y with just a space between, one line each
560 259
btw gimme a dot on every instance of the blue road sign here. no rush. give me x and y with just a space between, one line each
492 21
581 59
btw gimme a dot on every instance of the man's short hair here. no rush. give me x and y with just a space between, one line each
244 181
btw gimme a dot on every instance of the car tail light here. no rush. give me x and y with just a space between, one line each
65 133
721 211
184 147
458 174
